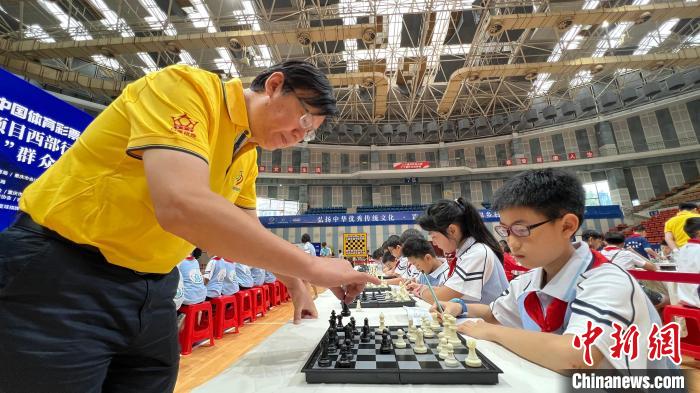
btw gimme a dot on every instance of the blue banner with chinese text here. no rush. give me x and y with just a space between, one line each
36 128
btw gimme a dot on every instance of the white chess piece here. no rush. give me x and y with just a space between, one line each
381 323
472 359
420 347
427 331
443 354
358 307
452 337
411 331
450 360
435 325
441 346
400 343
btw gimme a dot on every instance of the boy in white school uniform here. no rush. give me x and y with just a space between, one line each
421 254
626 259
230 286
569 287
689 262
194 289
214 276
404 269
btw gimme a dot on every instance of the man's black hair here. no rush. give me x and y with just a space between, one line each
550 192
417 247
692 227
443 213
196 253
305 80
614 237
378 254
305 238
687 206
591 234
393 241
409 233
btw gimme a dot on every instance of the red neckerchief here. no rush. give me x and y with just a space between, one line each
190 258
453 264
554 317
694 241
611 248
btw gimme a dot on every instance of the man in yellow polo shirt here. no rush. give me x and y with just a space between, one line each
673 229
87 272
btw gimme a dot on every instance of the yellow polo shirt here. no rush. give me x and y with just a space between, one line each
97 193
675 226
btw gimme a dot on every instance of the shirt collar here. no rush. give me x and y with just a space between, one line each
694 241
560 284
467 243
611 248
441 269
235 102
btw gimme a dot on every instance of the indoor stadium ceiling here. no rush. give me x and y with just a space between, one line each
399 66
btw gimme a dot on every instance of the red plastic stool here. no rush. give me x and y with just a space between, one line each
284 294
690 345
244 301
193 332
225 312
276 297
258 301
267 295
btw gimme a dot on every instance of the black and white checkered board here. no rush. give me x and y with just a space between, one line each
378 289
401 366
379 300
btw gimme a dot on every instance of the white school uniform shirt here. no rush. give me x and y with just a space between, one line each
602 295
216 274
180 293
230 285
309 249
478 275
438 276
688 261
626 259
402 267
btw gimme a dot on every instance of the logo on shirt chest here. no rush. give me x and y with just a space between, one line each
184 125
238 181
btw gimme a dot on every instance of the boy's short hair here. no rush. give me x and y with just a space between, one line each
393 241
687 206
196 253
305 238
377 254
409 233
614 237
387 257
417 248
692 227
323 244
591 234
639 228
551 192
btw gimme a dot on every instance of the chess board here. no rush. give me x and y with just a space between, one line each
378 289
401 366
379 300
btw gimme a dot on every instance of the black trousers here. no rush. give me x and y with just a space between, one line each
72 322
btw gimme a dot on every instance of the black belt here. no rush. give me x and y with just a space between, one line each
25 221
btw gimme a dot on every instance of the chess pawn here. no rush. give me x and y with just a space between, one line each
358 307
472 359
400 343
450 360
441 346
324 360
411 331
435 325
420 347
444 350
428 332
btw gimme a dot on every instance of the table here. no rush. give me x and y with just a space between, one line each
275 364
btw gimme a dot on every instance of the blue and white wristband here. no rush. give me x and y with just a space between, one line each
464 306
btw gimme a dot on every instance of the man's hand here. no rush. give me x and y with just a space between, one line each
304 307
338 275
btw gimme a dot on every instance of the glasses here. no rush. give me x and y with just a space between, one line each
519 230
306 121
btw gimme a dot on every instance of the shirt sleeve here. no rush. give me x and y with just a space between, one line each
209 270
637 260
247 197
170 109
468 275
505 307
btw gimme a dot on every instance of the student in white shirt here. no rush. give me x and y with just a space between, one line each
433 270
214 276
307 245
569 285
475 272
625 258
689 262
230 286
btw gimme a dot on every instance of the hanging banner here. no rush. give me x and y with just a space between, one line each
412 165
36 128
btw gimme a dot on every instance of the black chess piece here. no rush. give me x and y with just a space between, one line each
374 296
347 329
352 323
333 314
366 322
385 347
365 334
346 310
324 360
332 340
364 296
348 344
331 322
339 325
344 361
